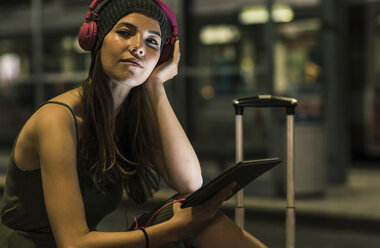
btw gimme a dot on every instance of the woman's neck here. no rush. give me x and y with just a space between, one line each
119 93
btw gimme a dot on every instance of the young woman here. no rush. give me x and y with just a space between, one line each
78 152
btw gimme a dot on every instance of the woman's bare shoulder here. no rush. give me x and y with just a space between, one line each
71 98
46 122
58 108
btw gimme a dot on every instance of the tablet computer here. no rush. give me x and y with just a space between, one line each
243 173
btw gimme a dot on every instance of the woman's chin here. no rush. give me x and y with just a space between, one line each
127 82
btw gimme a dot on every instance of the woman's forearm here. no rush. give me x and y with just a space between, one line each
180 161
158 236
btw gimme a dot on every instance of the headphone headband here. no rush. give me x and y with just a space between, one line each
170 15
167 51
94 3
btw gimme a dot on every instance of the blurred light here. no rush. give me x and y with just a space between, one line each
254 15
220 34
259 14
282 13
208 92
10 67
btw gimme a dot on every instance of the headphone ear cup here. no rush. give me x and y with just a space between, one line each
87 35
167 51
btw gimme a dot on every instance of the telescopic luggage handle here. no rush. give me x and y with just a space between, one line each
269 101
266 101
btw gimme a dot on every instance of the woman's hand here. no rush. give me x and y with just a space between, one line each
192 220
167 70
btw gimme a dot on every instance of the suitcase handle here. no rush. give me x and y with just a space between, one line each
267 101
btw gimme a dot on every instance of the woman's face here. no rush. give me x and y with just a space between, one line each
131 50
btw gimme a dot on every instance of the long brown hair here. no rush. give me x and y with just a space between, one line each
121 148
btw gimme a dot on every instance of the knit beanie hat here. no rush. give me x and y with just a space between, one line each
113 10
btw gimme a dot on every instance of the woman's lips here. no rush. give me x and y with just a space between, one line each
133 62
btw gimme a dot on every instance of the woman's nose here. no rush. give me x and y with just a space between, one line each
137 46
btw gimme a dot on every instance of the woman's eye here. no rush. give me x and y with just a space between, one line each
124 33
153 41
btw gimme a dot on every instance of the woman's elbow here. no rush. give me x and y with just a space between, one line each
191 185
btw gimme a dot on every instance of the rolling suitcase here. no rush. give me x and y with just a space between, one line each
269 101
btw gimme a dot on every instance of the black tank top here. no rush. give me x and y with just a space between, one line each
24 221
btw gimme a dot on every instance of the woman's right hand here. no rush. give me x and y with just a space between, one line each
192 220
168 69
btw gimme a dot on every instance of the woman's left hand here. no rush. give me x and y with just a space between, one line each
167 70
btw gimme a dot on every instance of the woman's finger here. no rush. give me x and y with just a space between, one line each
227 191
176 52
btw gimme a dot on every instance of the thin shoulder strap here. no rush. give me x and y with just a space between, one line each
71 110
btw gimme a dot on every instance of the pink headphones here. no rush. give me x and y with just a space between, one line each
88 32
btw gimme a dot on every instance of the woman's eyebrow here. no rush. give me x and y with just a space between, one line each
134 28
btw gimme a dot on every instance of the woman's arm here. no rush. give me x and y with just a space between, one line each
56 144
180 167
